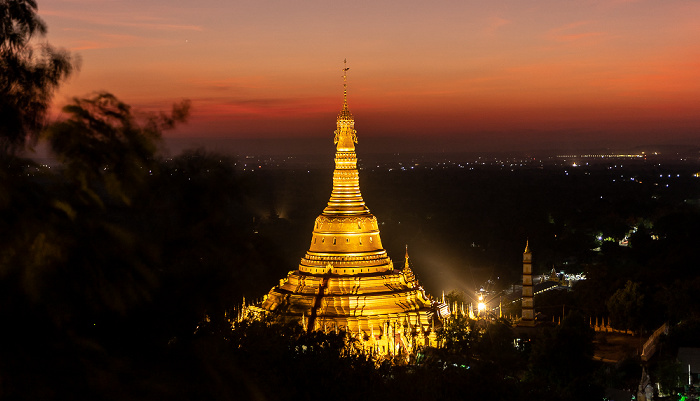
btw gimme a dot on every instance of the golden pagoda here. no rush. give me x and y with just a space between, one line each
346 280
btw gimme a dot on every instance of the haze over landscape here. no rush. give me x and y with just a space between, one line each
463 76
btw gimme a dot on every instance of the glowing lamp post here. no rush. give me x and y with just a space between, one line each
481 305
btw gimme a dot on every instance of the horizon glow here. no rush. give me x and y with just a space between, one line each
477 74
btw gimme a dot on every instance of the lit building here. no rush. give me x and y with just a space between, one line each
528 318
346 279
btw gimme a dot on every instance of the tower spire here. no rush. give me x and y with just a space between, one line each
346 198
406 257
528 300
345 134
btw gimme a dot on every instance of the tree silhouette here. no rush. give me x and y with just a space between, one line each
29 74
104 150
76 270
561 365
626 307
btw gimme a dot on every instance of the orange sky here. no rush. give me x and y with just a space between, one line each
480 74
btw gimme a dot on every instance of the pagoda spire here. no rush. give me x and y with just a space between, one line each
346 198
345 86
345 134
406 257
408 273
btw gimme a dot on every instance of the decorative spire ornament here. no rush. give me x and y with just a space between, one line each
345 134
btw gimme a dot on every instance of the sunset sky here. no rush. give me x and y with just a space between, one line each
467 75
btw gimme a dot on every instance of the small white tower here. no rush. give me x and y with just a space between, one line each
528 318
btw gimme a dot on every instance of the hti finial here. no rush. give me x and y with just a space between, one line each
345 135
345 82
406 266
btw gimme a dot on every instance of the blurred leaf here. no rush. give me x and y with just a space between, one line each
29 75
103 148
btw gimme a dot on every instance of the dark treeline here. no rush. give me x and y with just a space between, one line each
114 255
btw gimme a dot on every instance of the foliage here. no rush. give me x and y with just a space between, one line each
284 362
496 348
455 298
78 269
685 334
104 150
669 373
626 307
561 360
29 74
481 345
458 335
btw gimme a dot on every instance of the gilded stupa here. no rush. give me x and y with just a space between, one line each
346 279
